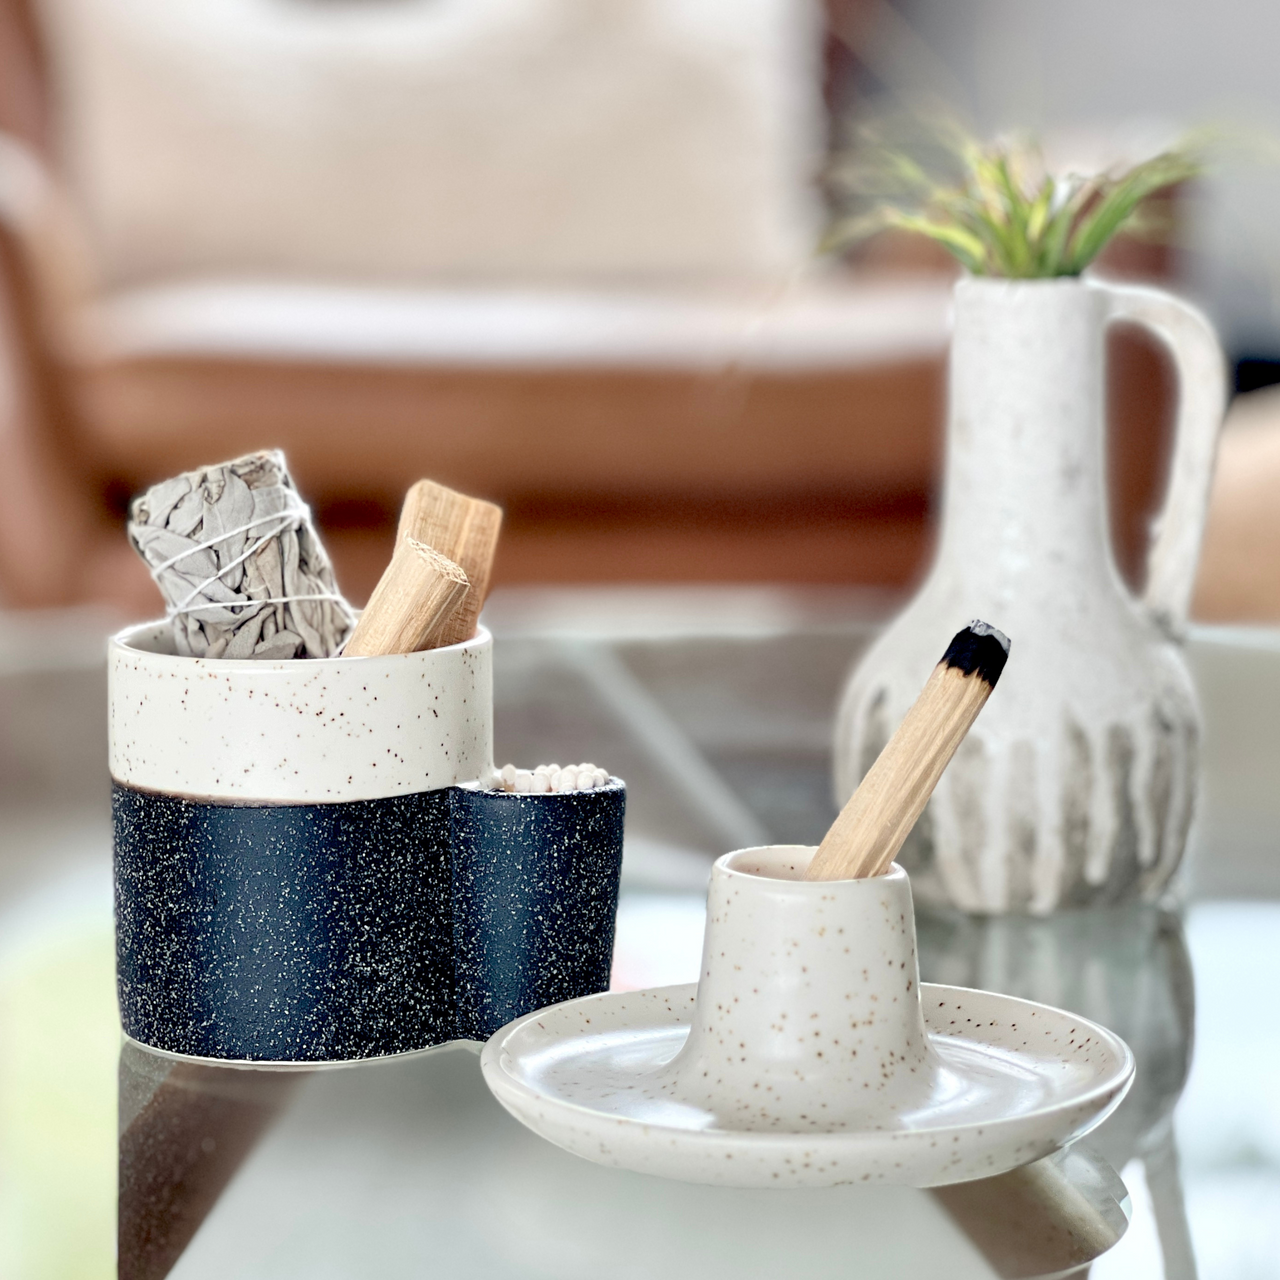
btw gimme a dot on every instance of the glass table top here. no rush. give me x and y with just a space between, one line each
409 1167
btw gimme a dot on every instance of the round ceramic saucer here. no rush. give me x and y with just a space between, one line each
1012 1081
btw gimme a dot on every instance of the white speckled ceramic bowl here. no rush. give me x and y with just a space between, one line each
809 1054
302 731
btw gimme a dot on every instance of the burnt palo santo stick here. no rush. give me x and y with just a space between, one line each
417 595
866 837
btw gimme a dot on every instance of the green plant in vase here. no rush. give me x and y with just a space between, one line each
1077 786
993 205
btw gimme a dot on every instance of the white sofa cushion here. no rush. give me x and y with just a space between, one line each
463 140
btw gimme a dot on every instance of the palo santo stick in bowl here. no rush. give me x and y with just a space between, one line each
415 598
463 529
878 817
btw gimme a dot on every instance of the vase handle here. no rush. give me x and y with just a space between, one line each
1202 400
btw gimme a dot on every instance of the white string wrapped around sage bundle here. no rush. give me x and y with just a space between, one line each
243 574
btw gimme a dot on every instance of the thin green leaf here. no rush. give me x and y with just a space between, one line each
963 245
1118 204
1038 213
850 231
1053 251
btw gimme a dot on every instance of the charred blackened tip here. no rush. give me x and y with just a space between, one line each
979 650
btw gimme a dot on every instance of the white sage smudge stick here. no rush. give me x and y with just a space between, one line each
235 556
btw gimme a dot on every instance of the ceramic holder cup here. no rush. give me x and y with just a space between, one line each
808 1007
308 868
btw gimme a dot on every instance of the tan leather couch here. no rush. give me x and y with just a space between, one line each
633 433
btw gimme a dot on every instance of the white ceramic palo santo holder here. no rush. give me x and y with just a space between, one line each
808 1016
809 1054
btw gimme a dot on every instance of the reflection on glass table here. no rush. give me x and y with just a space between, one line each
408 1166
1125 967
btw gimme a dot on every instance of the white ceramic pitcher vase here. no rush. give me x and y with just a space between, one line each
1077 783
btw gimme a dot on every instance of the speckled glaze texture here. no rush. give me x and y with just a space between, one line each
535 889
293 933
307 870
808 1013
809 1054
284 932
305 731
1077 784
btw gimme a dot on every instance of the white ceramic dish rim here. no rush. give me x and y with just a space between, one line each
1117 1083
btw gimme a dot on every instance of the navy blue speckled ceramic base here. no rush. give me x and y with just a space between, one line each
328 932
535 885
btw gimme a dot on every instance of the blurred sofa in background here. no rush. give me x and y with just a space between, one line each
552 252
1240 565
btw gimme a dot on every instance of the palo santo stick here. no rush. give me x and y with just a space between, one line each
416 597
866 837
463 529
